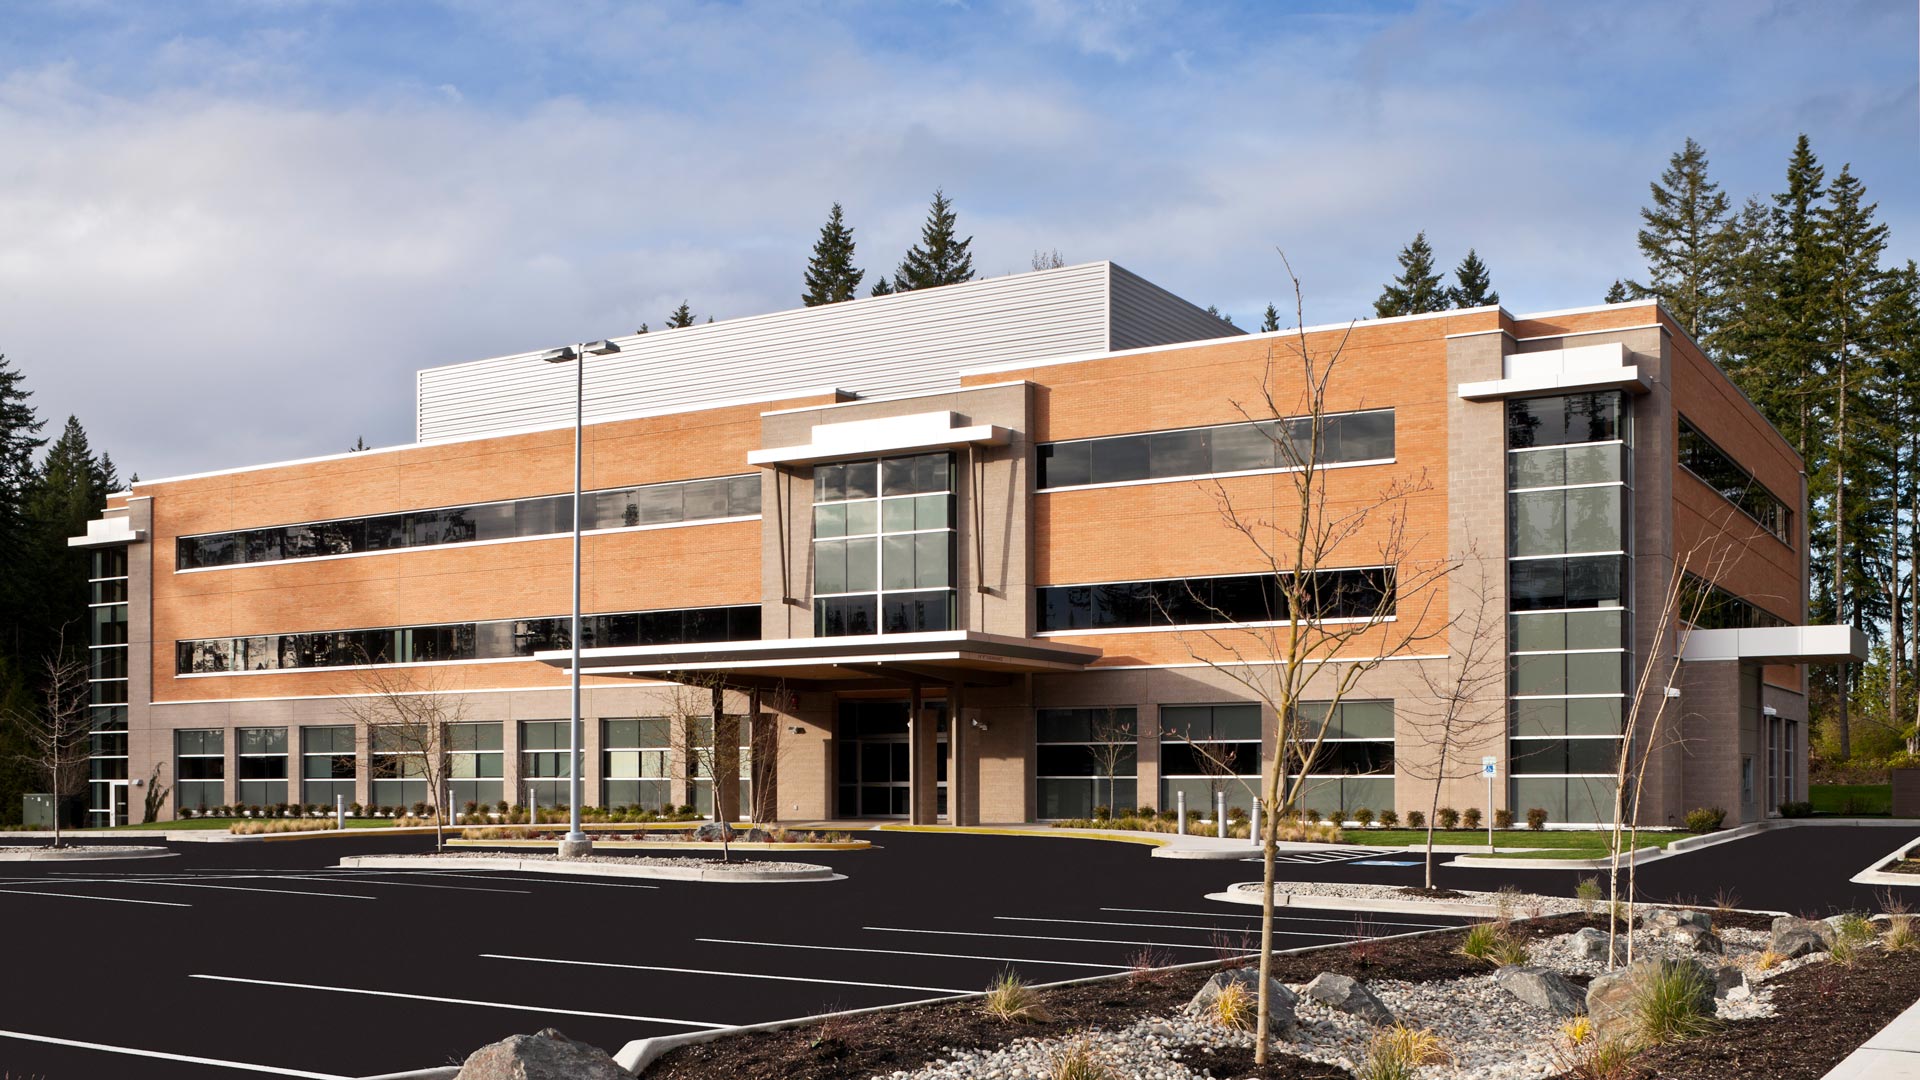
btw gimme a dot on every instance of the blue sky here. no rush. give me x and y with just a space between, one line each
230 232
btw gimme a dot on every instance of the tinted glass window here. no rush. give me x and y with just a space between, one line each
1118 460
1219 449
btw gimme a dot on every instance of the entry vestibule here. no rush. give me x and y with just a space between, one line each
873 758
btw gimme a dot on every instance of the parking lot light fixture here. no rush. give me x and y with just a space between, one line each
576 842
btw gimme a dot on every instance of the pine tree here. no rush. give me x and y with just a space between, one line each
1685 241
940 258
682 317
1417 290
1215 312
1270 319
1475 288
19 438
1616 293
883 287
831 276
68 490
359 445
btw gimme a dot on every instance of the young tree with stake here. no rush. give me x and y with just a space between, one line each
55 733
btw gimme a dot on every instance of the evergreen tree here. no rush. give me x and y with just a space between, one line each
941 257
1616 293
19 438
682 317
883 287
1215 312
831 276
1270 319
359 445
1475 283
1417 290
1685 241
68 490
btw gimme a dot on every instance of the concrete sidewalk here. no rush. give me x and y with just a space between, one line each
1893 1054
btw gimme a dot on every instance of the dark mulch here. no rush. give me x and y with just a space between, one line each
907 1038
1432 894
1237 1062
1825 1013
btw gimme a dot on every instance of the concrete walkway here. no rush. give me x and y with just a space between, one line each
1894 1054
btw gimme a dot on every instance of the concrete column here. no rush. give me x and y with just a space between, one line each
763 748
963 775
923 747
726 760
1146 787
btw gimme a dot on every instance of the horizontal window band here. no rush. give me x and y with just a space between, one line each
1210 626
1570 487
1562 652
1567 555
463 544
1282 470
1563 697
1563 446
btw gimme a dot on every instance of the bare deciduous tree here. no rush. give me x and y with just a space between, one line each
408 713
1112 741
1322 637
1454 698
55 731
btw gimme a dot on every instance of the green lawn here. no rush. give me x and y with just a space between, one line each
1852 800
1558 844
220 824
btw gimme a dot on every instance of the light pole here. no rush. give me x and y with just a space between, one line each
575 842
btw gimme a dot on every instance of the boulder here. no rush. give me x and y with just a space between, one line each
1674 918
1611 997
1280 1000
1730 983
1591 944
1798 937
1703 941
1542 988
713 832
546 1055
1349 996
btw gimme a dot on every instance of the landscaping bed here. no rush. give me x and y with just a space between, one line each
1824 1014
1782 1018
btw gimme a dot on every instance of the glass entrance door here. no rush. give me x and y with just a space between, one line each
875 759
120 803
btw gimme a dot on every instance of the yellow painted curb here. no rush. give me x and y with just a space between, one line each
1146 839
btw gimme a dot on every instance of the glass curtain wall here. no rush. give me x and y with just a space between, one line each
261 758
543 761
1084 758
1353 765
1205 749
1569 497
883 540
200 768
107 687
328 765
637 767
474 764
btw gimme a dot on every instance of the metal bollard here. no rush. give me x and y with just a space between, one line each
1180 813
1253 833
339 811
1220 813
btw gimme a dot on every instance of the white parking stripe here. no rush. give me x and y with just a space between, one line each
1166 926
410 884
1358 916
905 952
727 974
204 885
83 896
465 1001
164 1056
1035 937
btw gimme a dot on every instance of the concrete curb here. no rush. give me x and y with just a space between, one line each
1640 857
637 1055
1346 903
438 1072
683 846
1874 875
802 872
82 855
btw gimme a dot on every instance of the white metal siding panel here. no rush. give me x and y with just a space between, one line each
875 347
1144 315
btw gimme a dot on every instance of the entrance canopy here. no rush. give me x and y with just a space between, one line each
873 661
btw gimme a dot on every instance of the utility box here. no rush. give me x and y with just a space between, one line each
36 811
1906 793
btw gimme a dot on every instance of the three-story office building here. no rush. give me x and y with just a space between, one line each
965 553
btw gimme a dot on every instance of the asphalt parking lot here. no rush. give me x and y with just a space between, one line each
230 959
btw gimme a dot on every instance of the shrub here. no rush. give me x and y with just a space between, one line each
1536 818
1123 811
1900 935
1398 1053
353 809
419 809
1144 811
1706 819
1416 819
1389 819
1313 817
256 828
1012 1001
1667 1008
1078 1060
1588 893
1796 809
1725 900
1470 817
1102 813
1853 928
1577 1030
1481 940
1447 818
1236 814
1844 951
1235 1008
1503 818
1364 816
1767 960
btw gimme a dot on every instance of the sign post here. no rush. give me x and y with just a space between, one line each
1488 766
